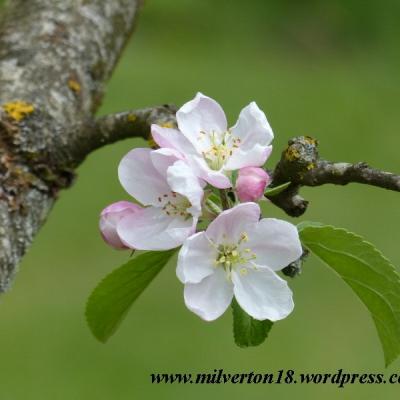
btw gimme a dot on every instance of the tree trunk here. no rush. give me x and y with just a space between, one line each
55 58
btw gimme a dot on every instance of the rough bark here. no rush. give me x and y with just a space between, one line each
93 134
55 57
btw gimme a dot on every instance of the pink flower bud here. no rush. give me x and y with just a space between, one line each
109 219
251 183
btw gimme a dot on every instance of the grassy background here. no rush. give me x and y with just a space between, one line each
325 69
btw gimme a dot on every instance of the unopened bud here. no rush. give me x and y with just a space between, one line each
109 219
251 183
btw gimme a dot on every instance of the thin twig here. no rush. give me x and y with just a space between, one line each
223 194
301 165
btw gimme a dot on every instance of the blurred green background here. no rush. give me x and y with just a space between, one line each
329 69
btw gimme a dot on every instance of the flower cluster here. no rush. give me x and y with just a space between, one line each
178 185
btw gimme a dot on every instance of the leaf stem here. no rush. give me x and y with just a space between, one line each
213 207
223 194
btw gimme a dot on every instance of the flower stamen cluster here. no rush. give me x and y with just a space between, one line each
221 148
234 256
176 205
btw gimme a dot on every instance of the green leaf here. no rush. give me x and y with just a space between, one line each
270 192
371 276
307 224
248 331
110 301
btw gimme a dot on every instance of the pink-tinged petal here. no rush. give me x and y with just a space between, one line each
252 127
215 178
201 114
254 134
163 158
201 169
253 157
231 224
251 183
152 229
139 177
172 139
165 137
196 259
275 242
210 298
109 219
262 294
181 179
120 206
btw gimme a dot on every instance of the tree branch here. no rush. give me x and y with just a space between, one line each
344 173
301 165
108 129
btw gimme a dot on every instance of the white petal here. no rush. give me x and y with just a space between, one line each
164 158
263 294
254 157
201 114
152 229
231 224
275 242
182 180
255 134
215 178
196 259
139 177
211 297
201 169
252 127
173 139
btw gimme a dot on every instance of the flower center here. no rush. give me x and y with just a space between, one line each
222 146
174 204
234 256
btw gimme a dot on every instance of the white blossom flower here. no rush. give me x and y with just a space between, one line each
238 255
160 180
211 149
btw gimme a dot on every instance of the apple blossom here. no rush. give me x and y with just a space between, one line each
251 183
210 148
111 216
238 255
160 180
